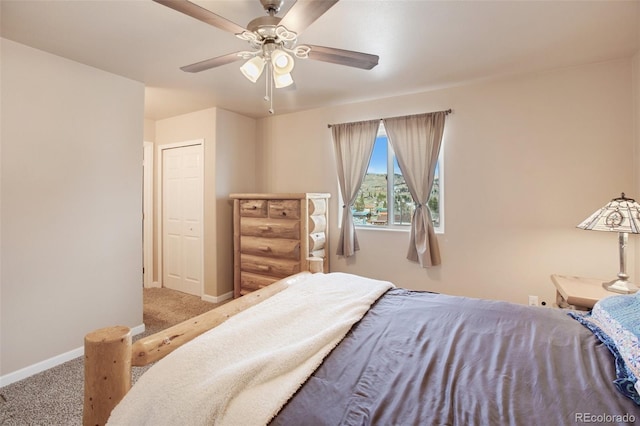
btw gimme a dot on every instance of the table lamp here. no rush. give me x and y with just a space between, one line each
621 215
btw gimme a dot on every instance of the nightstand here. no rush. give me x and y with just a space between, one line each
577 292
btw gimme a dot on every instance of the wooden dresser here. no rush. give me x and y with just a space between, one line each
274 234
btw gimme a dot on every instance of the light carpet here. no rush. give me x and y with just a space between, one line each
55 396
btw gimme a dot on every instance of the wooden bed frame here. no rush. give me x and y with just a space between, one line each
109 353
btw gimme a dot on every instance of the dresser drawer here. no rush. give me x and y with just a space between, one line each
253 208
278 268
285 209
270 228
270 247
251 282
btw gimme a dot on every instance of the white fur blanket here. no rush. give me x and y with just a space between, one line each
247 368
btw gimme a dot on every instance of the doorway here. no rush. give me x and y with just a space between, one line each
181 208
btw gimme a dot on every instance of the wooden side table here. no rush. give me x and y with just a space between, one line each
577 292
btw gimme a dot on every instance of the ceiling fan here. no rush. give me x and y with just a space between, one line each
272 40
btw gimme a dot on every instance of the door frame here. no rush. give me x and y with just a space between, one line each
159 230
147 215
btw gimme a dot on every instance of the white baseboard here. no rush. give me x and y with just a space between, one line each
217 299
153 284
41 366
137 330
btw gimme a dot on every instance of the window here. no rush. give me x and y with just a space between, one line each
374 207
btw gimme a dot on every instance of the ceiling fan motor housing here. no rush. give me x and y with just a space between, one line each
272 6
265 26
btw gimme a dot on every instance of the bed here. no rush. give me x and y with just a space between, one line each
339 349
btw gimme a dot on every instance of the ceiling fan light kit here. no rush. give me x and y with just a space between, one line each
273 41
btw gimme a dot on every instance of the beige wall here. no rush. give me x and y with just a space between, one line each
235 173
70 205
149 130
526 159
636 113
229 151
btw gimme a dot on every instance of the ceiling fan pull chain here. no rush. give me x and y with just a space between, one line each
266 84
270 83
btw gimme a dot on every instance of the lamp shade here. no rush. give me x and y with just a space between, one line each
252 69
282 62
282 80
619 215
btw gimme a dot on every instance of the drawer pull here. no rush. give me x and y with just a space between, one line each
264 248
263 267
264 228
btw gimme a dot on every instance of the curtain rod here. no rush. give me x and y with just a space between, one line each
446 112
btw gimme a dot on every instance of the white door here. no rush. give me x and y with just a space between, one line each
182 199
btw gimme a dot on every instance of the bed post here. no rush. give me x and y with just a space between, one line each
107 372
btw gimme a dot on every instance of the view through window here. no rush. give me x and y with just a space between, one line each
384 198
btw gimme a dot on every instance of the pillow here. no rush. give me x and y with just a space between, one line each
615 320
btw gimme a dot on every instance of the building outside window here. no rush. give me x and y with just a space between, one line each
384 199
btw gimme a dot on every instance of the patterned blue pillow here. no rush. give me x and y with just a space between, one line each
615 320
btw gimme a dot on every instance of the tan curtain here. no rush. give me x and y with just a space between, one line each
416 141
353 145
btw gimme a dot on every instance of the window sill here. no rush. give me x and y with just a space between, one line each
405 229
384 228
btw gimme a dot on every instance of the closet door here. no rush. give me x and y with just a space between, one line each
182 198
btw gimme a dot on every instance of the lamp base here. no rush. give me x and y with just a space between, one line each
620 286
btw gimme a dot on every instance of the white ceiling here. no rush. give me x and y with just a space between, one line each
422 45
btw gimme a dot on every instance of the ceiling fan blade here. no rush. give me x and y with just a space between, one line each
202 14
211 63
304 13
343 57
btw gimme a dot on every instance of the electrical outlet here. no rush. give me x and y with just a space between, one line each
533 300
